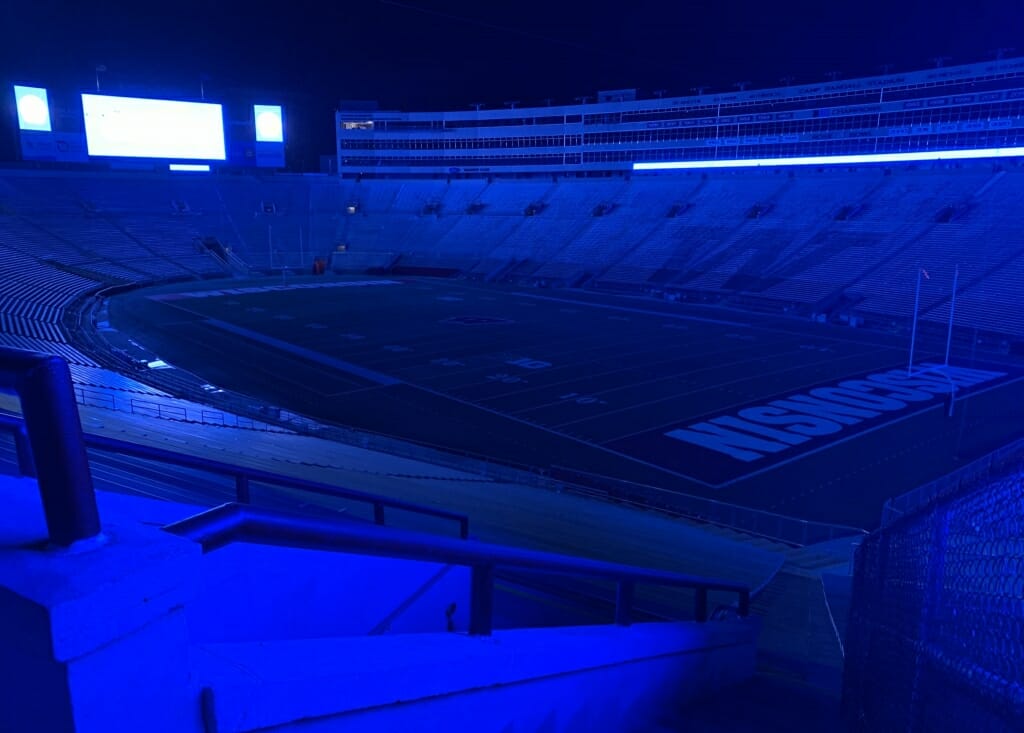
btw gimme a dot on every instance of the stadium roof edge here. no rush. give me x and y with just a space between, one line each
928 77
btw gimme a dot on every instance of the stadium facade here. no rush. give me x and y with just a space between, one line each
970 106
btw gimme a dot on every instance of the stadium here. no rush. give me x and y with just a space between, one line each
688 412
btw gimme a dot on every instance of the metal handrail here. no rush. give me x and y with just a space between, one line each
163 407
49 442
725 610
230 523
243 476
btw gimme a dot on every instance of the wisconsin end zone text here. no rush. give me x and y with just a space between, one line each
726 446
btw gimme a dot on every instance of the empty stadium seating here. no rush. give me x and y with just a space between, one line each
799 239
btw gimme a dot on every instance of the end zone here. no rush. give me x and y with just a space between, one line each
725 447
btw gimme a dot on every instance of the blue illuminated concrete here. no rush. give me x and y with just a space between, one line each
93 638
586 679
858 159
107 637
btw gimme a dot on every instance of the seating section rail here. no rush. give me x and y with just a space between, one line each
231 523
52 447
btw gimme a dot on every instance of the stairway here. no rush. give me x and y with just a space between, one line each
798 638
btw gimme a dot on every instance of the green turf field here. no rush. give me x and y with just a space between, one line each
579 380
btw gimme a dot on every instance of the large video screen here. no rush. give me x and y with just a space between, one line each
131 127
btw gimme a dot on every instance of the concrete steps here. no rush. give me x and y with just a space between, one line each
797 636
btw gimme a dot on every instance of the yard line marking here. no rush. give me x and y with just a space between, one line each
800 324
673 375
628 309
708 388
267 288
780 322
494 348
566 436
941 405
386 380
208 347
308 354
585 343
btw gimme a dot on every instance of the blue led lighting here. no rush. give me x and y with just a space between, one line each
834 159
190 167
269 128
33 109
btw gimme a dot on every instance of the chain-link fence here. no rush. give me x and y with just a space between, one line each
936 635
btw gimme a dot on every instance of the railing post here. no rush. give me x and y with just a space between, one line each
624 603
700 605
378 513
242 489
744 604
481 600
23 450
43 385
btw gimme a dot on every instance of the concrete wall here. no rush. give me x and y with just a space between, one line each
114 634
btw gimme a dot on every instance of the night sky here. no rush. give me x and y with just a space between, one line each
437 54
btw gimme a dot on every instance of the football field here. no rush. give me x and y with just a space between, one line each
800 418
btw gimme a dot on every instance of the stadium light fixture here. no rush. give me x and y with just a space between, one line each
859 159
33 109
269 126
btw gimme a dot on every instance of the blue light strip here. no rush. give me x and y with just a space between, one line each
190 167
834 159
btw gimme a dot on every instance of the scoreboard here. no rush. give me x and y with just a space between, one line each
33 108
179 135
128 127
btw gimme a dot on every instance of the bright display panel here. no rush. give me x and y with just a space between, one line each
269 127
33 109
189 167
133 127
972 154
